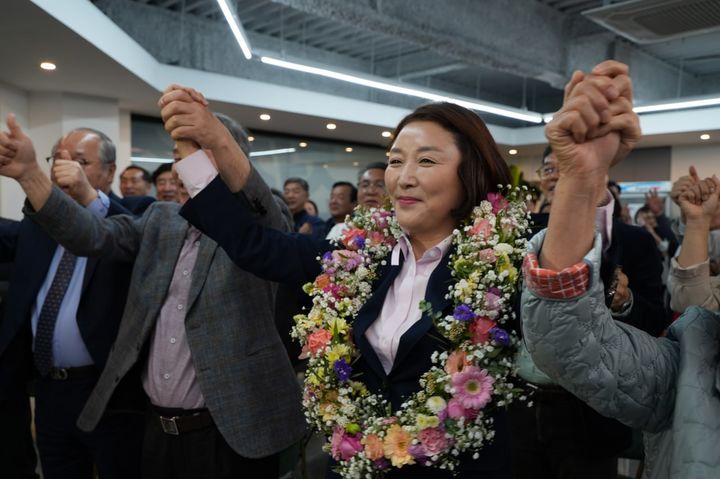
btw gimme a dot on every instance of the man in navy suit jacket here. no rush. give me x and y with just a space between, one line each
83 164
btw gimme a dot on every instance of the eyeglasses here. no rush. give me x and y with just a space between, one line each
83 162
366 185
547 170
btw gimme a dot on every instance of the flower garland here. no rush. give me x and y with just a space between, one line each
450 414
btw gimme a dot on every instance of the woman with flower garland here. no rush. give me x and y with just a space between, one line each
410 356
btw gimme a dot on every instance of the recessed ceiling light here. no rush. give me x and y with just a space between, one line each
49 66
251 138
355 163
331 126
325 165
348 149
513 151
704 136
386 134
302 144
264 117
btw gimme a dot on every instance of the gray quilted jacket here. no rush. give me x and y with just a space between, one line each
668 387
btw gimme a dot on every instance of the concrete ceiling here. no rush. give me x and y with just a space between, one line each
549 36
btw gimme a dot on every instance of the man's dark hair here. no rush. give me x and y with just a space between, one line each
353 190
145 174
376 165
299 181
164 168
547 152
641 210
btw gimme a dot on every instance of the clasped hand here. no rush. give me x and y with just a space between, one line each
596 127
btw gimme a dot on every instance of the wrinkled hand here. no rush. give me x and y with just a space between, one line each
700 203
612 78
186 116
682 184
17 153
70 177
655 203
622 292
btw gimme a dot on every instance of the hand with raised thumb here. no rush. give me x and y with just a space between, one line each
17 153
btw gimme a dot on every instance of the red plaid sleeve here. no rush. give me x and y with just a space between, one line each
569 283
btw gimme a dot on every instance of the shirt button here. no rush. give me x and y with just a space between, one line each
166 376
172 340
197 243
186 272
180 306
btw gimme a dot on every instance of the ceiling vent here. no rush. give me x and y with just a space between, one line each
651 21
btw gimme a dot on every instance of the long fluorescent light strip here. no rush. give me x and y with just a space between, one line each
679 105
279 151
529 117
236 28
144 159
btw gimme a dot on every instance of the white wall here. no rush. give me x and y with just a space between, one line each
705 158
46 116
12 100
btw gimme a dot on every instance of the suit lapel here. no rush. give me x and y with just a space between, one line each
370 312
200 270
435 293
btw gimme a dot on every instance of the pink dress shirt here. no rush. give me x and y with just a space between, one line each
401 308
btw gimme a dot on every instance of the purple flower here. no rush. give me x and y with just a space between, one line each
327 256
500 336
463 312
359 242
495 291
417 452
342 370
381 464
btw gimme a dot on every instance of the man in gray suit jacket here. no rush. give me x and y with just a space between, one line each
223 398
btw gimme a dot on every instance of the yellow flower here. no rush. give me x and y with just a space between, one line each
397 442
423 422
337 326
338 351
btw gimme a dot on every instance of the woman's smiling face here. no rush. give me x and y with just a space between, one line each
422 179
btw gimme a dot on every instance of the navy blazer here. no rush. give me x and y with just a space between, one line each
292 258
102 300
134 204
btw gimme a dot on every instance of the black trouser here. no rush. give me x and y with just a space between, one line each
17 452
198 454
560 437
114 446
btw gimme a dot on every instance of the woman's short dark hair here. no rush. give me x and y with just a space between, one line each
482 168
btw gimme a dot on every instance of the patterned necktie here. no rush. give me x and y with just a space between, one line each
48 314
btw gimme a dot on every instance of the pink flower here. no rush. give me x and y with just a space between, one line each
344 446
492 301
455 409
497 201
487 255
318 340
456 362
350 236
482 228
433 440
480 329
473 387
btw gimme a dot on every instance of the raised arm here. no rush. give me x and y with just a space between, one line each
618 370
691 283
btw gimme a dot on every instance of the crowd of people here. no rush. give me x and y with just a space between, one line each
159 335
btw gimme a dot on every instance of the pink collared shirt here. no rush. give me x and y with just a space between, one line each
401 308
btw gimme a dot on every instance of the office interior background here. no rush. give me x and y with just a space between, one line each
326 80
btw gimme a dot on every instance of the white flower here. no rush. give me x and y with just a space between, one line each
435 404
503 248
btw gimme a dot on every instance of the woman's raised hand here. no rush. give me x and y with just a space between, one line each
700 202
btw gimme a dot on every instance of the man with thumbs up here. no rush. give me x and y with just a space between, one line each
62 316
